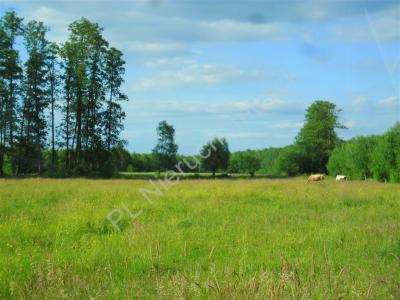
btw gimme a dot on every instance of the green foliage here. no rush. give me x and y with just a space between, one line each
130 169
7 168
33 127
269 158
122 159
215 155
11 27
166 150
317 139
366 157
245 162
114 71
338 161
145 162
385 164
288 160
188 164
109 167
77 74
234 163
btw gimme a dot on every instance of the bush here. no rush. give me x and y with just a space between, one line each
108 169
365 157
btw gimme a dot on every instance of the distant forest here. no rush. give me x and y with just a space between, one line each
61 115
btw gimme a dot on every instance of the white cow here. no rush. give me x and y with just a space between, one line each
341 177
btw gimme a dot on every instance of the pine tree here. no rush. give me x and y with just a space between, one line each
3 96
67 66
89 48
53 79
11 27
114 114
37 96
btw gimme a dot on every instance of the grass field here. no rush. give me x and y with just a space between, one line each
241 239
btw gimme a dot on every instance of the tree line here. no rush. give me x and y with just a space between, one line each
63 101
309 154
317 149
376 157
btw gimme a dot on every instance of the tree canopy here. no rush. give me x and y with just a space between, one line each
166 149
215 155
318 137
71 79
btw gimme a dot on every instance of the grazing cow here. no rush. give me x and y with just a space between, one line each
316 177
341 177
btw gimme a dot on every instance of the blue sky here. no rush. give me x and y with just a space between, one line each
245 70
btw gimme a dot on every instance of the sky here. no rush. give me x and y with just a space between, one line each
244 70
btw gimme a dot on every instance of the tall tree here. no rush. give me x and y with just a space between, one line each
53 79
67 75
114 114
88 73
36 97
97 54
166 149
317 139
11 73
215 155
87 66
3 95
79 40
250 162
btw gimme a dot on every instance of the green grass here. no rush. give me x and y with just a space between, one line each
241 239
189 175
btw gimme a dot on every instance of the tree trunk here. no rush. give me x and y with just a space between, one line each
53 150
1 161
67 134
78 129
109 122
1 139
11 123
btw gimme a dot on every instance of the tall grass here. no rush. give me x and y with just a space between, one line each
240 239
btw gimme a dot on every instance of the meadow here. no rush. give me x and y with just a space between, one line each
232 238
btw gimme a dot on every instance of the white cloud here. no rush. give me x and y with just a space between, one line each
187 22
249 135
390 102
168 62
350 124
222 107
57 21
359 103
288 125
158 49
195 74
230 30
243 135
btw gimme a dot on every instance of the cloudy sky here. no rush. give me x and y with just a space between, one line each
245 70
